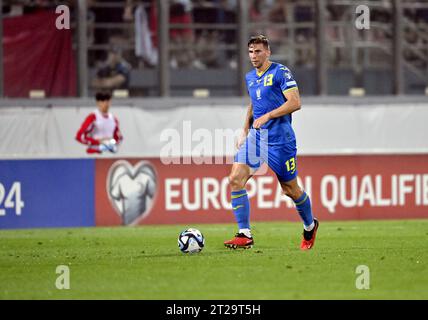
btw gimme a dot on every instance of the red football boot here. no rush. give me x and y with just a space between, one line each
308 240
241 241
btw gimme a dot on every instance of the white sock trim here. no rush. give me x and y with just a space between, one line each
310 227
246 231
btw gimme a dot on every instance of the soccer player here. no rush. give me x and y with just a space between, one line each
100 130
269 138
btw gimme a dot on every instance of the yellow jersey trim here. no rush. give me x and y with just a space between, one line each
289 89
263 72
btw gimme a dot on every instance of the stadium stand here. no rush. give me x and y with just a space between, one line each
205 42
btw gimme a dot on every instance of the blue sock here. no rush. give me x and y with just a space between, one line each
241 208
303 206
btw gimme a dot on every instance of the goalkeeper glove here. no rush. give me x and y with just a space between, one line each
108 145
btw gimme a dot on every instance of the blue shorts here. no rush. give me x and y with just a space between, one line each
280 158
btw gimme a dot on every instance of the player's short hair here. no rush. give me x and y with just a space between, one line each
103 96
259 39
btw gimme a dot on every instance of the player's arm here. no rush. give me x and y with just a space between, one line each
117 135
292 104
248 118
82 134
247 125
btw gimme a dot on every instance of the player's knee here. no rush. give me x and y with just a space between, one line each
292 192
236 183
287 191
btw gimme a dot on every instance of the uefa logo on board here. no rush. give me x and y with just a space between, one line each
131 190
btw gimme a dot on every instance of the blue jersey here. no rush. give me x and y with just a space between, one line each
267 93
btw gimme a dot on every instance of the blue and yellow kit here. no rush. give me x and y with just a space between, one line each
275 142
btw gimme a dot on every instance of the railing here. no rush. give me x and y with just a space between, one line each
317 41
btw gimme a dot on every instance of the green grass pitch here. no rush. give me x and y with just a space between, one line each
145 262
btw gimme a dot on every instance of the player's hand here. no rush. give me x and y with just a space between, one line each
241 139
261 121
102 148
109 145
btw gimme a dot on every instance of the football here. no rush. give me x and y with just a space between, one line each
191 241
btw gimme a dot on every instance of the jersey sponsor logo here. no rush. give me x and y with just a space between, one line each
131 189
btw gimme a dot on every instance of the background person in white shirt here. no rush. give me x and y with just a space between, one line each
100 131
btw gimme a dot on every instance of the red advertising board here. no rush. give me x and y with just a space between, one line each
146 191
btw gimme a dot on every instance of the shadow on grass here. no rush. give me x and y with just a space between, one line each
216 253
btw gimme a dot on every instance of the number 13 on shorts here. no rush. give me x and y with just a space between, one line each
291 165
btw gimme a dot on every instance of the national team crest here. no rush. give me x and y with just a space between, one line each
259 94
131 189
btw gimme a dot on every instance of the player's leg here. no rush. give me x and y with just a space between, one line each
301 199
247 161
238 178
303 205
283 161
